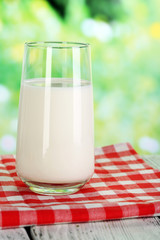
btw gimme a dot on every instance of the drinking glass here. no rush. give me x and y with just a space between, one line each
55 140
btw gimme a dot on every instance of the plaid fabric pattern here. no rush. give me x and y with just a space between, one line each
123 186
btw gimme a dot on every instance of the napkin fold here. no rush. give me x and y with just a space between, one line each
122 186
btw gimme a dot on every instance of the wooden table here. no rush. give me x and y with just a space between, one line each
127 229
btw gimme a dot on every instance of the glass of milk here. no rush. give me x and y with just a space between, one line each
55 140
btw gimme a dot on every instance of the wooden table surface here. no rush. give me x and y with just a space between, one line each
126 229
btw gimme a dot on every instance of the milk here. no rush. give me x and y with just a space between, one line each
55 132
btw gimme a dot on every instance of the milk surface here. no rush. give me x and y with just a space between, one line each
55 142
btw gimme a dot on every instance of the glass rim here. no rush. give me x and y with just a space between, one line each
57 44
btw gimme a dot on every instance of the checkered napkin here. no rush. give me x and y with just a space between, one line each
123 186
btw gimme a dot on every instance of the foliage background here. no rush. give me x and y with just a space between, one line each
125 39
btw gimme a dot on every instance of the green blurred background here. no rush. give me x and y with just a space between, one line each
125 40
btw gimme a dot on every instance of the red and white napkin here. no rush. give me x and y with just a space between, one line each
123 186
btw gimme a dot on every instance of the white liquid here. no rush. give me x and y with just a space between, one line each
55 133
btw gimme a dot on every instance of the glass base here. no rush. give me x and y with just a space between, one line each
54 189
